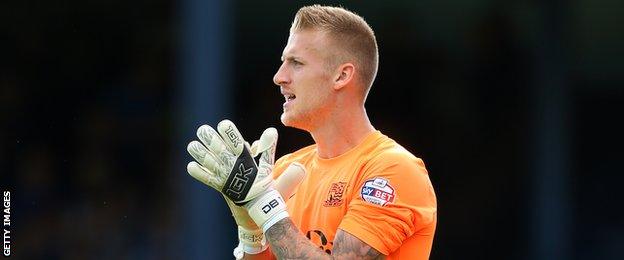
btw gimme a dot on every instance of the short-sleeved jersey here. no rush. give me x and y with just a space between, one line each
377 191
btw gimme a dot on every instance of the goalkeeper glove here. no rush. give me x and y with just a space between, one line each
225 163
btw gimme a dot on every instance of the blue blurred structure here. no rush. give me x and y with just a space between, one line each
550 205
206 229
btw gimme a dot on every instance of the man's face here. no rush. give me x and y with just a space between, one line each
305 79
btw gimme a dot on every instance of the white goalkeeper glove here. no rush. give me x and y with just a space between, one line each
225 163
251 238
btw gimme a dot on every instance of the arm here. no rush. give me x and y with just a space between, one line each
287 243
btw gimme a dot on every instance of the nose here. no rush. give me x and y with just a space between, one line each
281 76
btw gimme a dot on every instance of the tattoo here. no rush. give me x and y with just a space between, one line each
347 246
287 243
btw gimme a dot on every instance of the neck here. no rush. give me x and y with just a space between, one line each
344 130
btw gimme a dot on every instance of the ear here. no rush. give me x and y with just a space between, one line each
344 75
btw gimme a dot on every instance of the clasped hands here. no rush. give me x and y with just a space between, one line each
225 162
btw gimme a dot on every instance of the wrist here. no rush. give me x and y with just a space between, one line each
250 242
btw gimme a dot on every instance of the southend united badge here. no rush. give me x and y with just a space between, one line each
334 198
378 191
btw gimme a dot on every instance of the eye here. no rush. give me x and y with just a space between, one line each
295 62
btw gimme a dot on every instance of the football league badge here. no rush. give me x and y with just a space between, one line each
378 191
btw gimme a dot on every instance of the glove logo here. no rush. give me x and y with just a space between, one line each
271 205
233 136
241 178
251 237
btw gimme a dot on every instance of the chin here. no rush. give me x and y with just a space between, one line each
286 120
291 121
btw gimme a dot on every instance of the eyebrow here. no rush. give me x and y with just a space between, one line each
290 58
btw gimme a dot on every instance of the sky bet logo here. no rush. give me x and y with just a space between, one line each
378 191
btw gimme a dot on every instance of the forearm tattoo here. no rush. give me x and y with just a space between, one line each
347 246
287 243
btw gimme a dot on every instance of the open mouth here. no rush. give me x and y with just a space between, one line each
288 96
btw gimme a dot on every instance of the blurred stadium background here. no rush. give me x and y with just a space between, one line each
515 106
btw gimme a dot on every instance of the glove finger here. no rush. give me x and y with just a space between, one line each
201 154
231 136
289 180
248 147
254 148
202 174
266 146
211 139
197 150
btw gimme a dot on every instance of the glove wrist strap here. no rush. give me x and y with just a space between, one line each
267 209
253 238
250 242
242 249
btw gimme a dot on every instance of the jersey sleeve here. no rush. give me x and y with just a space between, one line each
393 200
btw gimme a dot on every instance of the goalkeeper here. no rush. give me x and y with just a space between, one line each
355 193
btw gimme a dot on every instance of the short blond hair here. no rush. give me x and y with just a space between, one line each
348 29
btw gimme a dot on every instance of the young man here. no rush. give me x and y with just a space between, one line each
363 195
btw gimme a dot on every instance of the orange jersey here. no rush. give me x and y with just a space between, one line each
377 191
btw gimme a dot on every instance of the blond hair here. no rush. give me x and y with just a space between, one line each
354 35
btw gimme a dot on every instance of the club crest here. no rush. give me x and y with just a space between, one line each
334 197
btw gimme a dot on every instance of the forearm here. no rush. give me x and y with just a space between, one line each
287 243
